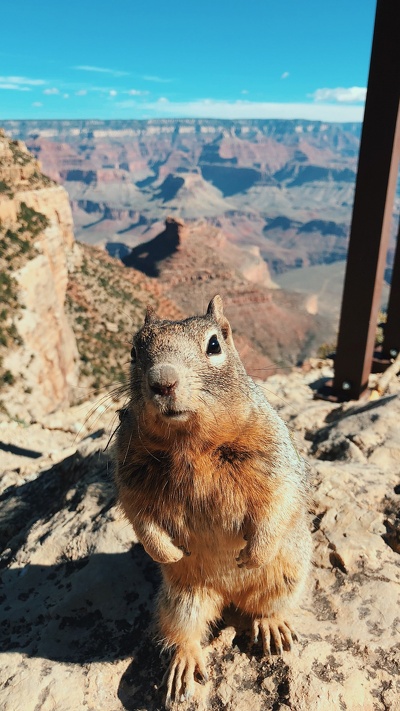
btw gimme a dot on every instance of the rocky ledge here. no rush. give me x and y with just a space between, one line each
78 594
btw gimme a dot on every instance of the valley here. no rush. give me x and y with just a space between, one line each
267 200
285 186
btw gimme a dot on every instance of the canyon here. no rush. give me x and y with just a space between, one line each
71 307
284 186
281 190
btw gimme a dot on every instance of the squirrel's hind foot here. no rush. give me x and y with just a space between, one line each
275 629
180 676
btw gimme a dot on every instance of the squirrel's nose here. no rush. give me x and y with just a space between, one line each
162 379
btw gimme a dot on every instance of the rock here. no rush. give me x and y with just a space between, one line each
78 593
194 262
111 327
40 353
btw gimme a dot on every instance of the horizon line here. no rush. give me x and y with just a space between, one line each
182 118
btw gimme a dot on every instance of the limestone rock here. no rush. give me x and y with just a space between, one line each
39 352
78 593
49 357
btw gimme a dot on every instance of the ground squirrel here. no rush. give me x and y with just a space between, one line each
214 488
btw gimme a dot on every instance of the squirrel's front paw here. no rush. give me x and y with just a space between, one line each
180 677
164 554
184 550
249 557
277 629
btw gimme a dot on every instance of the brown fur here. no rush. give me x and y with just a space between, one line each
217 495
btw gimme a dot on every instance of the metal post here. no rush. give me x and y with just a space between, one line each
391 339
372 211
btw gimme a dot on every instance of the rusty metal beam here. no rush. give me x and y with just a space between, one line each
391 339
372 211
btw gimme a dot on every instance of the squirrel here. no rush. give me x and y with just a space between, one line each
215 490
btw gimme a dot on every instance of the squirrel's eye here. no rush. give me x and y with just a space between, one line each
213 347
133 354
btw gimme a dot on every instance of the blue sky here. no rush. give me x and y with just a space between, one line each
177 58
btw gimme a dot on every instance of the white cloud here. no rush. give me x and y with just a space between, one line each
36 104
14 87
81 92
284 75
51 91
16 83
136 92
65 96
157 79
22 80
353 94
214 108
101 70
102 89
244 91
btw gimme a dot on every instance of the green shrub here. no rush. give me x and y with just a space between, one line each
8 378
31 221
5 188
8 287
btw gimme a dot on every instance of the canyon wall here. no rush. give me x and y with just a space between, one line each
39 353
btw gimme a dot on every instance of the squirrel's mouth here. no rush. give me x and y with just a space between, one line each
168 409
172 414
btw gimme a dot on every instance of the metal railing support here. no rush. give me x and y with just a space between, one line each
391 338
372 212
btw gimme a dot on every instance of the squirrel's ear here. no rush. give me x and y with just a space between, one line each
216 308
150 315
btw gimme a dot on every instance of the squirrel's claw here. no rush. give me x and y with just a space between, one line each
180 675
184 550
274 629
242 558
246 559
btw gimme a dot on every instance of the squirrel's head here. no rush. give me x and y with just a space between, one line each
186 373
